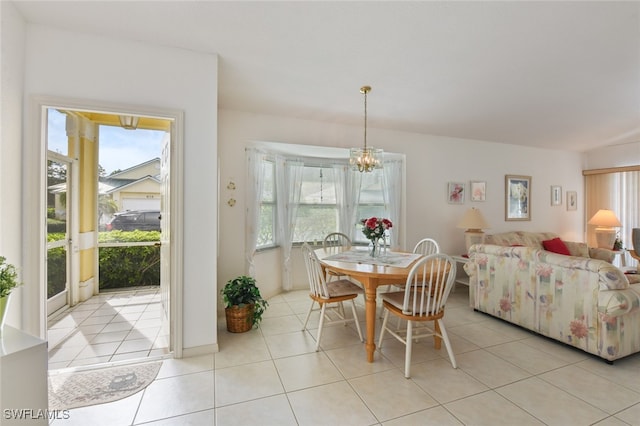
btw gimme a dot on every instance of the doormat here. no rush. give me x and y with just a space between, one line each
79 389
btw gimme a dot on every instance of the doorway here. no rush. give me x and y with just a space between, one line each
81 200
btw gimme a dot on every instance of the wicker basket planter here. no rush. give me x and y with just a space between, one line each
239 318
243 304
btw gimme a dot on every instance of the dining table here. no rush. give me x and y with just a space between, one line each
389 268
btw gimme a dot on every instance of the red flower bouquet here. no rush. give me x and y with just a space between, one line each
374 227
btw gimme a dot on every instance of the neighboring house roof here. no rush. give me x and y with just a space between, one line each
58 188
114 183
137 171
127 183
130 177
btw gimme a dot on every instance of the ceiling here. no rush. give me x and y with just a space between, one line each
559 75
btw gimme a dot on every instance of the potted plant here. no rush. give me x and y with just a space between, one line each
243 303
8 281
617 244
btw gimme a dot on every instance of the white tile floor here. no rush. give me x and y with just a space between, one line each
110 327
273 376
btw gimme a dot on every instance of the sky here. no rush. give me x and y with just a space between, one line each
119 148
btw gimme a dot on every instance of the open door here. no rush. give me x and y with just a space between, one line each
165 240
60 211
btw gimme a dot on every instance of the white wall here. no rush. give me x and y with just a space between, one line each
12 41
613 156
432 161
79 66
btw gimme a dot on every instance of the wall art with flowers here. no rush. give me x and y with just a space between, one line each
455 191
478 191
517 197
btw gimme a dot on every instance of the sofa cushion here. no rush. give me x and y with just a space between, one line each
577 248
535 239
519 238
556 245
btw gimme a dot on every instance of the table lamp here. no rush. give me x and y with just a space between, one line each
474 222
605 220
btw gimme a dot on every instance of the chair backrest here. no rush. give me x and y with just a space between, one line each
336 239
428 285
317 281
635 238
427 246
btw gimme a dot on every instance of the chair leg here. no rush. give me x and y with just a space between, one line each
355 319
306 320
383 329
437 337
408 349
447 344
324 305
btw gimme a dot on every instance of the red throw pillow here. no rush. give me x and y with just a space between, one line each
556 245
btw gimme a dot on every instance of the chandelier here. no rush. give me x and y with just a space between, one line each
365 159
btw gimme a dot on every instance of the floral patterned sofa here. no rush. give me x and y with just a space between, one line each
583 302
536 239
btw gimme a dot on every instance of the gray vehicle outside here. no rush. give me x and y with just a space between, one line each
142 220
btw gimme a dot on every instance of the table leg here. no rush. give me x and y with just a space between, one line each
370 314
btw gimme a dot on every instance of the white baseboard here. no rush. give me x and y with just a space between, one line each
200 350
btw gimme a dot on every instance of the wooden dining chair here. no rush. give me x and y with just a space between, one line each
635 240
336 239
422 301
329 295
427 246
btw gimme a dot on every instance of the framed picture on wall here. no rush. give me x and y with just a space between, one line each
455 192
517 197
478 190
572 200
556 195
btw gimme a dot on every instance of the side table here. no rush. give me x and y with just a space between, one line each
461 278
622 254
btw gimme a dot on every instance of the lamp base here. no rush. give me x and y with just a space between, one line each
605 238
473 236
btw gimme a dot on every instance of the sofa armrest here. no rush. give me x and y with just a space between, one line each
602 254
614 303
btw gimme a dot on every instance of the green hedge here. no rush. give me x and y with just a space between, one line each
56 266
120 267
56 226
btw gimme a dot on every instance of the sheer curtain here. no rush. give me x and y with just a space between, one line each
392 191
288 184
347 197
618 191
255 180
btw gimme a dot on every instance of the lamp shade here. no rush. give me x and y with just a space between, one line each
605 221
473 219
605 218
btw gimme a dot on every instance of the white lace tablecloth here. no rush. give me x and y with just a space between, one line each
399 260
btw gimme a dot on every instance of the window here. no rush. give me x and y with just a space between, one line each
371 200
617 189
266 235
317 213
